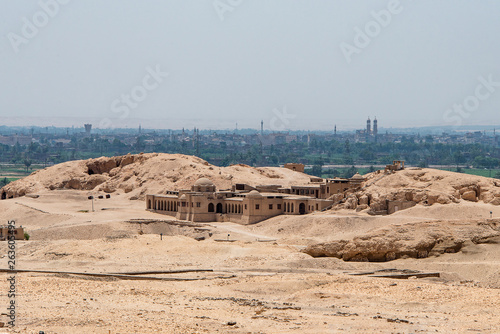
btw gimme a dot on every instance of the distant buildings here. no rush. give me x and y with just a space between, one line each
368 135
15 139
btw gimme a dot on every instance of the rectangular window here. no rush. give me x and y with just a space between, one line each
198 204
279 206
270 206
245 206
257 207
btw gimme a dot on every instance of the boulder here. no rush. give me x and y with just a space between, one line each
74 184
127 160
469 195
351 202
379 205
495 201
93 181
114 171
364 200
443 199
128 188
419 196
337 198
362 207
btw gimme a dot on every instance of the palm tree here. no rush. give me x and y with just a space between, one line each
27 163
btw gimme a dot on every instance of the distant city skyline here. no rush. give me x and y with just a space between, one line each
338 128
296 65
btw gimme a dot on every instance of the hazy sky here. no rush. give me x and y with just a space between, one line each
305 64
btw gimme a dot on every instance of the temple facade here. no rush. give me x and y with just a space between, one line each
247 204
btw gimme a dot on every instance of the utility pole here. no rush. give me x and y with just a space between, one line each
197 142
92 199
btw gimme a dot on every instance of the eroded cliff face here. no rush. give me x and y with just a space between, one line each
416 240
78 175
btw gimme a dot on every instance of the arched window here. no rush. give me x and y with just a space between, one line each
218 208
211 207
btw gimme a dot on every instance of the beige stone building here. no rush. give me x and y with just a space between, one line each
18 233
396 165
246 204
296 167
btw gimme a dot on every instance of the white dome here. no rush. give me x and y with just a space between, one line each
357 177
203 182
254 194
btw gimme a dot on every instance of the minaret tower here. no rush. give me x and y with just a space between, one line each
368 126
375 126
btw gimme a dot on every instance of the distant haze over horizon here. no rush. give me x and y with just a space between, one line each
212 64
74 123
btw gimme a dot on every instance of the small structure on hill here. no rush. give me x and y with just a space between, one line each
396 165
18 233
248 204
295 167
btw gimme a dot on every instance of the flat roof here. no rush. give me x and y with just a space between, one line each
236 199
166 196
297 197
312 186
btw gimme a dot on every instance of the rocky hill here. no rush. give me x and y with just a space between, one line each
420 186
138 175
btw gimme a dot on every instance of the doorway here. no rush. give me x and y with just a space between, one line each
302 208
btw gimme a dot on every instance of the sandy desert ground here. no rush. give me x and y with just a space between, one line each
251 279
261 281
